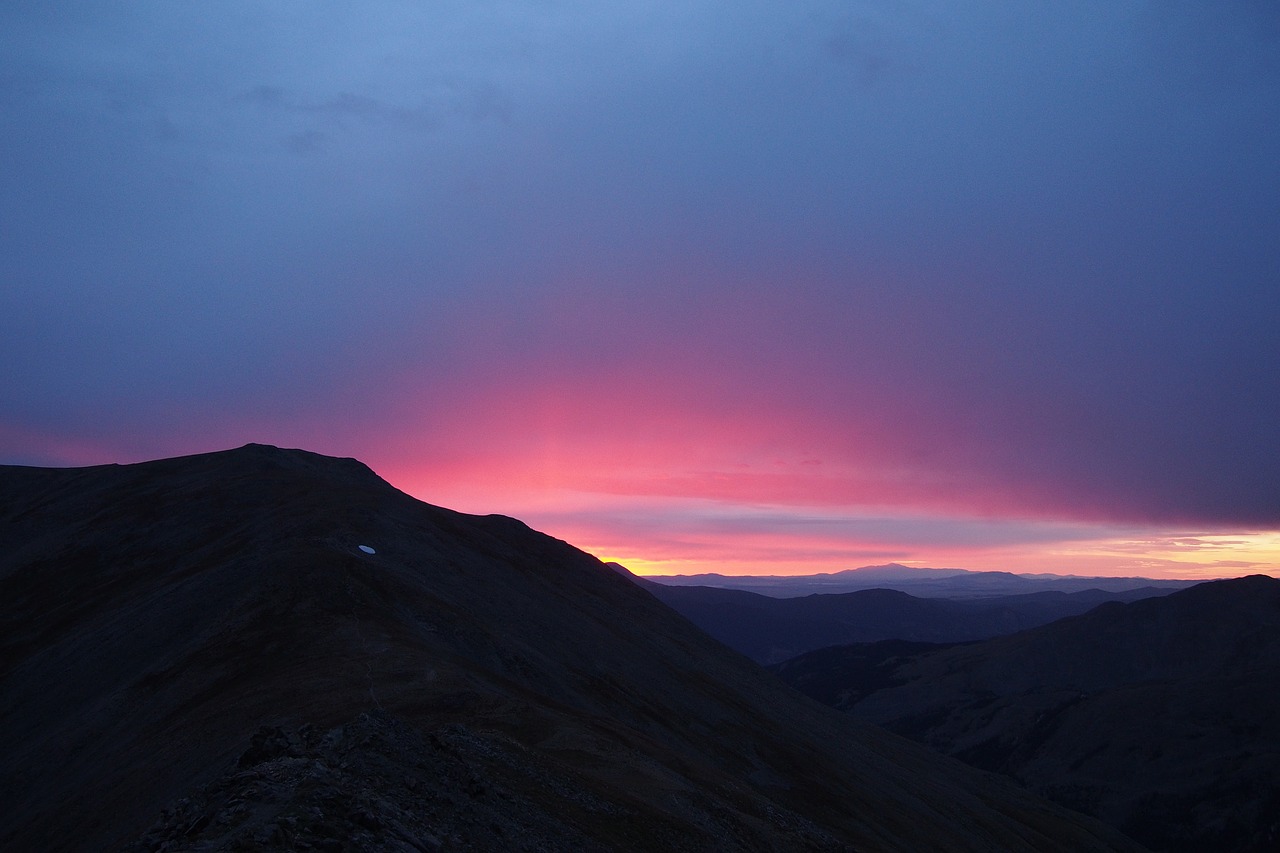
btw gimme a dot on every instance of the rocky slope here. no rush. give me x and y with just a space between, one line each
1157 716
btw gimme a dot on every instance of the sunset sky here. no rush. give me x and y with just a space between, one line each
748 287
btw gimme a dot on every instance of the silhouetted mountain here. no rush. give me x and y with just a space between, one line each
1158 716
273 650
920 582
769 630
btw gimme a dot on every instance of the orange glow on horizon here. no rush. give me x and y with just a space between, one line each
1100 560
696 492
654 509
675 534
627 472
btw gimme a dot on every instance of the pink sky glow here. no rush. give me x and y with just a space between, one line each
786 288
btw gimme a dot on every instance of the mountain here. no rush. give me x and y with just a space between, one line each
920 582
266 649
1157 716
769 630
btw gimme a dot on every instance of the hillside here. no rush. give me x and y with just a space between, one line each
264 649
770 630
1157 716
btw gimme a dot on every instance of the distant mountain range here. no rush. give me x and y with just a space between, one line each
920 582
769 630
272 650
1158 716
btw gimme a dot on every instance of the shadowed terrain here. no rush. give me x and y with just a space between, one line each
198 653
1158 716
770 630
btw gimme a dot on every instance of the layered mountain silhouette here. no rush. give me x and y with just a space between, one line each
1158 716
770 630
266 649
920 582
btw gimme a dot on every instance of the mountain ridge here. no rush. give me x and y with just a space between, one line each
921 582
769 630
190 643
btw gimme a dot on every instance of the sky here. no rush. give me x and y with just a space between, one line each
744 287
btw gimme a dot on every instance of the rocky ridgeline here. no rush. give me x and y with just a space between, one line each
374 784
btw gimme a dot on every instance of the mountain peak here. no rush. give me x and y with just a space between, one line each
897 570
295 459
